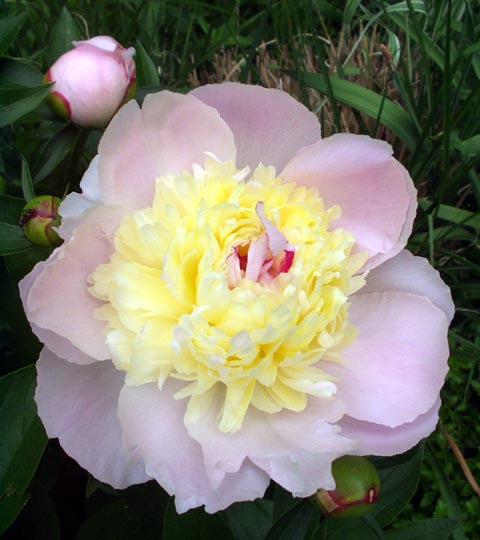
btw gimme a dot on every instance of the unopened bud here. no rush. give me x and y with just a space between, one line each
356 490
39 216
92 81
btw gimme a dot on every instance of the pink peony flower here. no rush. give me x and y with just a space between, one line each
92 81
232 303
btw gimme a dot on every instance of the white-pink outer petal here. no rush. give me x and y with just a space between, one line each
269 126
375 193
394 369
379 440
153 428
295 449
78 404
56 297
167 135
407 273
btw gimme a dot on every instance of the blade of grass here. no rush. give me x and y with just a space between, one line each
256 40
447 85
453 214
370 103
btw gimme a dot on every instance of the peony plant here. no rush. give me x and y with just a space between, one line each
233 304
92 81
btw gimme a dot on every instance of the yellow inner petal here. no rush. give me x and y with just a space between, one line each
169 310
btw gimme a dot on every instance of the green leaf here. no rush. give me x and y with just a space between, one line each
472 49
24 345
20 264
469 146
11 504
17 101
416 5
12 239
147 74
54 152
10 209
64 31
250 520
366 101
453 214
9 28
398 482
426 529
194 525
18 72
27 184
349 11
295 524
442 233
22 443
349 529
394 46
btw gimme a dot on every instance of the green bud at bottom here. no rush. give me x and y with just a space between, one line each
39 216
356 490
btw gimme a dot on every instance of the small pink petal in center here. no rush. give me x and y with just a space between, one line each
266 257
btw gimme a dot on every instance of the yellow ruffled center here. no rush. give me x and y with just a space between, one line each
233 285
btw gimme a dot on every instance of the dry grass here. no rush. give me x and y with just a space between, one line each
368 57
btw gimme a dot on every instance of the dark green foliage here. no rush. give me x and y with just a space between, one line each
23 442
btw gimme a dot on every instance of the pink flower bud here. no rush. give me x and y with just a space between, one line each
356 490
39 216
92 81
